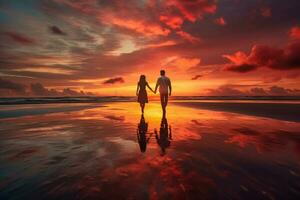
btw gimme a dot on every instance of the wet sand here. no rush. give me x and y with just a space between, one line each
12 111
281 111
111 152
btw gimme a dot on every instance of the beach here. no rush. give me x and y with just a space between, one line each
212 150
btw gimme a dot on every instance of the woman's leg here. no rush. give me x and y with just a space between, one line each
143 106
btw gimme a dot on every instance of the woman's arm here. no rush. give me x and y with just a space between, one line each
137 89
149 87
170 88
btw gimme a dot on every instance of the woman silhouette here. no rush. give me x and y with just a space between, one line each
141 91
142 132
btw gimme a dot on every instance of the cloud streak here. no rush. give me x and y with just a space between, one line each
196 77
20 38
114 80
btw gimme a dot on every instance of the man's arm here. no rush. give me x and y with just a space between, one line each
170 88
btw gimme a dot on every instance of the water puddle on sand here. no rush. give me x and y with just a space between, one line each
113 152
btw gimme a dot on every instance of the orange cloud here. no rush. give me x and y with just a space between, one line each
161 44
192 10
138 25
173 22
237 58
295 33
220 21
184 63
188 37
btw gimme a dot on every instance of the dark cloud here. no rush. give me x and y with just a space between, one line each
265 56
228 90
20 38
9 88
258 91
16 88
247 131
38 89
282 59
225 91
114 80
196 77
57 31
70 92
279 91
241 68
266 12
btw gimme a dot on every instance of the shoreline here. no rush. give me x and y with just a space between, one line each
101 99
287 111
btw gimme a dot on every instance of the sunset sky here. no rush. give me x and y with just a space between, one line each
100 47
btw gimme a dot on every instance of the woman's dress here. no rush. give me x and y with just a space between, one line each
143 97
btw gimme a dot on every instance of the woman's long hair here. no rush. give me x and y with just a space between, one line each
142 79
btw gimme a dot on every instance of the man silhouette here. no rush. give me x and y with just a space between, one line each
165 89
165 135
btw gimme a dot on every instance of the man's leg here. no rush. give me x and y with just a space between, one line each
162 101
166 99
165 104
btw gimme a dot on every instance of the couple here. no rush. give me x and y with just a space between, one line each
165 90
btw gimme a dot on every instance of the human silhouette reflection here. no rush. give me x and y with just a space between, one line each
142 133
165 135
